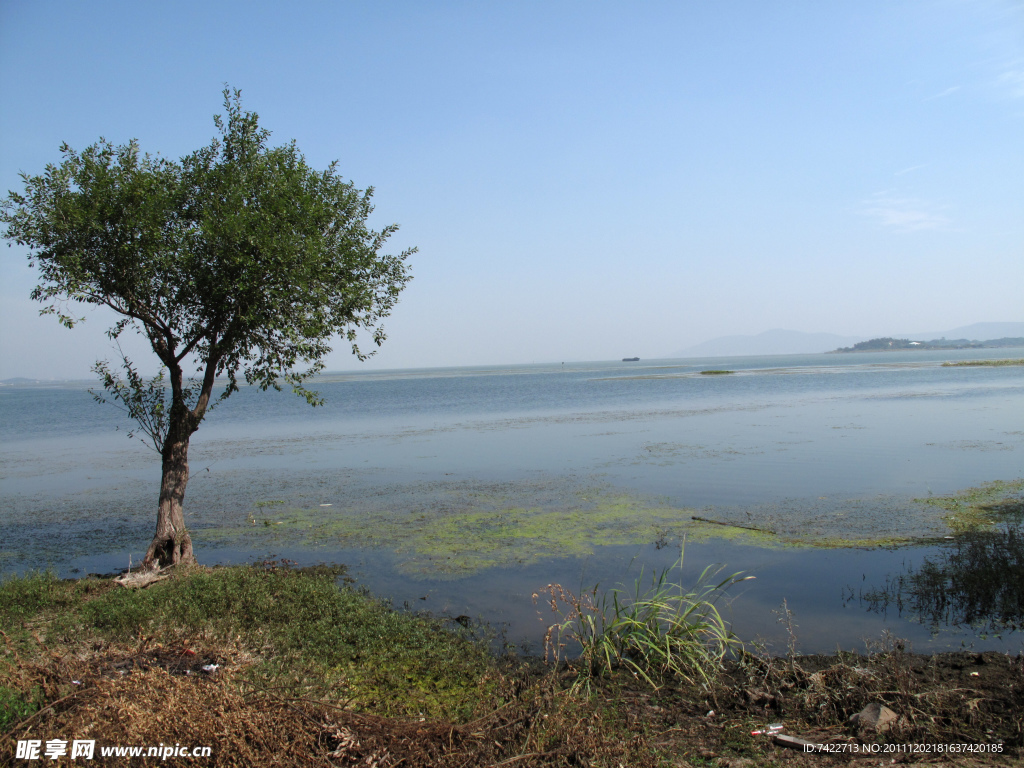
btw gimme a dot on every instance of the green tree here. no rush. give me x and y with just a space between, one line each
238 261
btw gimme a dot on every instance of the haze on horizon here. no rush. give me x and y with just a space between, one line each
584 181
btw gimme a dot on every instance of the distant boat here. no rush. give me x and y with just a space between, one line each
631 359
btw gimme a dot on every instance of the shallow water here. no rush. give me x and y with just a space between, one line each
477 486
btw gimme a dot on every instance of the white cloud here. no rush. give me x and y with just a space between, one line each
943 94
911 168
1012 82
900 214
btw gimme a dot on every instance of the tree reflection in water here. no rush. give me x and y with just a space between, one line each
977 581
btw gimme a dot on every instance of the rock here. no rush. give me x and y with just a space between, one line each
874 717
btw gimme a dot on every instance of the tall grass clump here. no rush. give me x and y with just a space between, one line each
656 631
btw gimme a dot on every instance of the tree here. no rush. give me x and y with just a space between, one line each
239 260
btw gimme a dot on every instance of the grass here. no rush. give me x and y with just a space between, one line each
714 372
966 363
297 667
305 634
659 631
16 705
274 662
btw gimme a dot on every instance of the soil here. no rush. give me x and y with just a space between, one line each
941 702
195 695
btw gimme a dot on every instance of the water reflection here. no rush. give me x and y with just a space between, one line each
976 581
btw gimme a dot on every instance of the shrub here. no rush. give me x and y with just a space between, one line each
656 632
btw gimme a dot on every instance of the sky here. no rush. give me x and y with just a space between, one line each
584 180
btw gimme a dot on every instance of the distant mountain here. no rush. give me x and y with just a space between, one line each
975 332
776 342
782 342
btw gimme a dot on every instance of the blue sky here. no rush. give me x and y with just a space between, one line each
584 180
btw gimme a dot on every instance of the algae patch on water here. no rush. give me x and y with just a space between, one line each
981 508
456 531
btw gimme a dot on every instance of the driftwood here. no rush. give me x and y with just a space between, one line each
732 525
143 578
794 743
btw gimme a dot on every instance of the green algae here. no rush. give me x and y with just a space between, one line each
456 529
475 530
980 508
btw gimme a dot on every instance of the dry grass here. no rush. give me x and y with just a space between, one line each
152 689
270 687
159 697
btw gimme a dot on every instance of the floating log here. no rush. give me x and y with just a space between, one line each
732 525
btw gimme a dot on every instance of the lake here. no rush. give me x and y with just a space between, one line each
466 490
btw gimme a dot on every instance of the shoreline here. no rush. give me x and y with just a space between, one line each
938 591
306 671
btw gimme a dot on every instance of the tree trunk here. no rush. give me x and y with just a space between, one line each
171 543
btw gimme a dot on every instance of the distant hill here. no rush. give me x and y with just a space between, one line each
888 344
974 331
775 342
783 342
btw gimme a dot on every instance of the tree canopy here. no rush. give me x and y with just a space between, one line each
238 261
239 254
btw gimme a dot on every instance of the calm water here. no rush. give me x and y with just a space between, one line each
829 444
